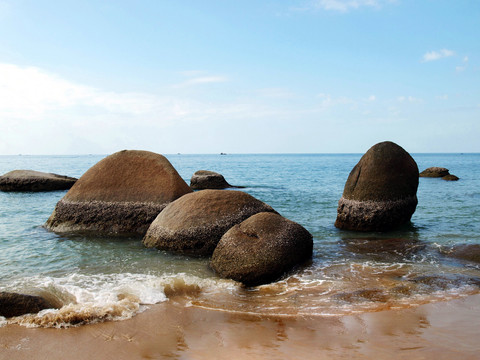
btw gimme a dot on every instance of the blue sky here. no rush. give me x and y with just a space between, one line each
293 76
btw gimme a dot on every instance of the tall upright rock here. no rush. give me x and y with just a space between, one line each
381 190
121 194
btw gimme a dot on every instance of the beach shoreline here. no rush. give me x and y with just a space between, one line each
442 330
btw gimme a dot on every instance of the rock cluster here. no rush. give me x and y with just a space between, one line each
30 180
380 192
121 194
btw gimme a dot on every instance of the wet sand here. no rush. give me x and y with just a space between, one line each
443 330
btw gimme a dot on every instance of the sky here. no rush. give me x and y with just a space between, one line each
249 76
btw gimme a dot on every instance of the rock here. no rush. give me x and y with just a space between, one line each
121 194
13 304
204 179
380 192
450 177
468 252
384 246
195 223
434 172
261 249
30 180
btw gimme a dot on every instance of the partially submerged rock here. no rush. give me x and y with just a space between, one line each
121 194
30 180
438 172
13 304
450 177
380 192
195 223
205 179
261 249
434 171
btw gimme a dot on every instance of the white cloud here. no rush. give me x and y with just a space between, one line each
436 55
372 98
346 5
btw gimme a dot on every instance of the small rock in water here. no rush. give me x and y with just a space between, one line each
381 191
261 249
434 172
204 179
450 177
30 180
13 304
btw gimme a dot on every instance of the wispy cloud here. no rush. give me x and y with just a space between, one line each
409 99
345 5
197 77
436 55
464 65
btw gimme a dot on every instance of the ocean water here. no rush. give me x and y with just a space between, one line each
107 278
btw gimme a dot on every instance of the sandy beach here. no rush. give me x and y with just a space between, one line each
443 330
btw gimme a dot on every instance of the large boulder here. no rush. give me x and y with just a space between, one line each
30 180
13 304
261 249
121 194
381 190
195 223
205 179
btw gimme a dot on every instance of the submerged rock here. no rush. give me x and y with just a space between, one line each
468 252
384 246
13 304
381 190
204 179
261 249
121 194
30 180
195 223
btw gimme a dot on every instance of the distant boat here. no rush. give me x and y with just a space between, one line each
223 153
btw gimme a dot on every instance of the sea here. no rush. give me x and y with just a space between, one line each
95 278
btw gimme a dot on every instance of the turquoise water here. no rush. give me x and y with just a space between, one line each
114 278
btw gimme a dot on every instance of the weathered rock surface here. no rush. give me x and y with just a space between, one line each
13 304
434 172
30 180
195 223
380 192
261 249
121 194
205 179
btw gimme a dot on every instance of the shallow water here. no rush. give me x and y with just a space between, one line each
100 278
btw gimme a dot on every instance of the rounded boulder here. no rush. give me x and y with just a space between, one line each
194 224
381 190
261 249
434 172
30 180
121 194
